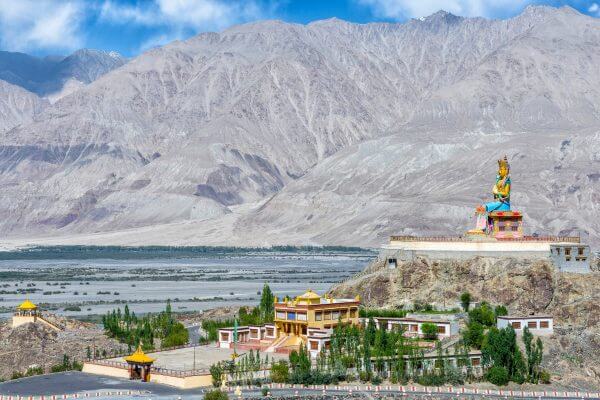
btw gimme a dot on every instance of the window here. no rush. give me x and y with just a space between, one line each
514 228
314 345
414 328
392 262
269 331
224 337
532 324
335 315
327 315
516 325
319 316
353 313
475 361
291 316
544 324
580 251
501 228
344 314
301 317
567 251
280 315
442 329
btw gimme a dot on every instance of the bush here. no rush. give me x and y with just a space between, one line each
31 371
376 380
265 391
16 375
430 380
430 331
465 301
216 394
364 376
545 376
497 375
216 372
72 308
500 311
280 372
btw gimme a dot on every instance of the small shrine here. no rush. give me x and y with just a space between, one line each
139 365
26 312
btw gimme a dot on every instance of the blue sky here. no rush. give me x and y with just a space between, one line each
43 27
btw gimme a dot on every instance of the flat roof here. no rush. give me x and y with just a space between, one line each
526 317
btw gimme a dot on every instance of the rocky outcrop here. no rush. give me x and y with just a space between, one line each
38 345
524 286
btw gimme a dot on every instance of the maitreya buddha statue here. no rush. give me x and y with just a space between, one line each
501 190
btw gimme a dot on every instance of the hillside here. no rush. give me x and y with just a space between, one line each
523 286
326 133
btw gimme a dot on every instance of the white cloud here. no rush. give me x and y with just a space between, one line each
594 9
41 24
403 9
180 15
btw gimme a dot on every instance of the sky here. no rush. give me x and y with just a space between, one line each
130 27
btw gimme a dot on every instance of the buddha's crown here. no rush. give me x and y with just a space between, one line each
503 163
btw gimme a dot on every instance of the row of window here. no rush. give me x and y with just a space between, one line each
531 324
332 315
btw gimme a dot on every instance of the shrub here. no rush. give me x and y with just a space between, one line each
465 301
364 376
216 394
31 371
430 380
545 376
376 380
430 331
280 372
216 372
16 375
497 375
500 311
265 391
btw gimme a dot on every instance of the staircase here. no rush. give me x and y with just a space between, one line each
278 342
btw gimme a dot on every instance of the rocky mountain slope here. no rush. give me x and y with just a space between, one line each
47 75
524 286
326 133
17 105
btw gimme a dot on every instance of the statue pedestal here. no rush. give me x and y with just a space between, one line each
505 224
498 225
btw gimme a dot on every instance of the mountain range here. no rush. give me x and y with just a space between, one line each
327 133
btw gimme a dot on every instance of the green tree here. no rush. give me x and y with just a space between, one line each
484 314
473 335
267 306
465 301
500 311
216 372
430 331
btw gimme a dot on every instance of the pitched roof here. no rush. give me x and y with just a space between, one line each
27 305
139 357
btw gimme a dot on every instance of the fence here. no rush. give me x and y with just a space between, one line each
446 390
408 238
110 394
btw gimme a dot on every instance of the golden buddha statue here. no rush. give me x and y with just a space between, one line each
500 190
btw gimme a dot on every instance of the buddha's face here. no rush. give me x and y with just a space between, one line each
502 171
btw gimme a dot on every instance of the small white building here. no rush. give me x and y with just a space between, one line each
247 334
318 340
414 326
537 324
